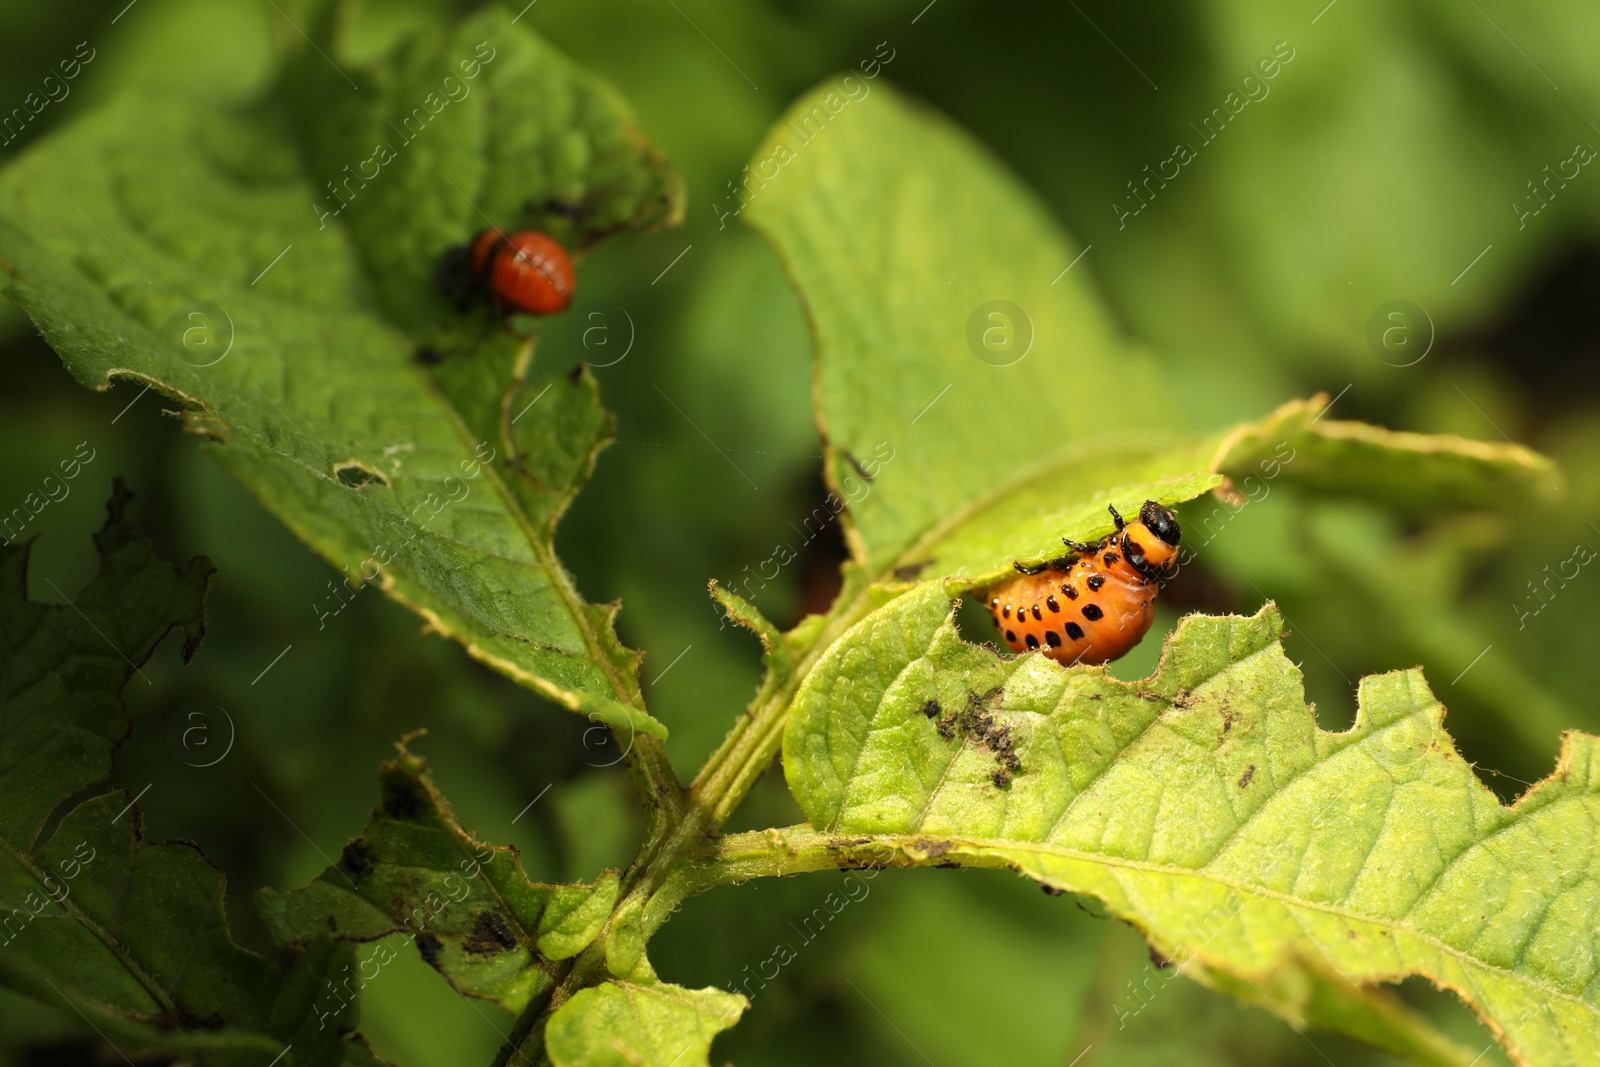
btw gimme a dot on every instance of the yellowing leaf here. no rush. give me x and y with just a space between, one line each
1204 805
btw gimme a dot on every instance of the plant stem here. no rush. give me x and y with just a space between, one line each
725 780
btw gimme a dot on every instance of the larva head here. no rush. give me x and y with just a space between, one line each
1151 544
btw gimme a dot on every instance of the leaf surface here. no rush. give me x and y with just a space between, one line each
130 934
1204 805
468 907
899 232
274 269
625 1023
896 228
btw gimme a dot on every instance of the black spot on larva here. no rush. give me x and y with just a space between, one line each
1074 631
1111 557
1050 890
1037 617
430 946
1249 773
1033 642
1092 612
931 709
1096 581
995 603
1052 603
1052 639
1010 636
357 857
1072 594
1007 612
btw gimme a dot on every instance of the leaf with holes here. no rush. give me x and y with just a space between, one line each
275 269
1204 805
977 402
96 920
467 906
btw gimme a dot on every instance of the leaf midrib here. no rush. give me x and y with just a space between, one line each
1002 846
545 554
111 942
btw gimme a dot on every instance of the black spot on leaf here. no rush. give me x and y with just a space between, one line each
403 799
489 934
357 857
909 572
430 946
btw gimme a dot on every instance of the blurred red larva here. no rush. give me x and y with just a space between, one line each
526 270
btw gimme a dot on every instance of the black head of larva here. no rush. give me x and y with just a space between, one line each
1151 544
1160 521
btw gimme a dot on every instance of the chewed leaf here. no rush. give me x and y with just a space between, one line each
279 282
625 1024
97 920
467 906
1204 805
1026 520
1411 472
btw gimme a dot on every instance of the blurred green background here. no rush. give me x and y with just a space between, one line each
1384 162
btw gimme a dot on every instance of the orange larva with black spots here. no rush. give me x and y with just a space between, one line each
1093 606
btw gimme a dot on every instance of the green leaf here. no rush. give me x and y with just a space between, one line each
198 252
898 230
1204 805
896 227
776 648
66 666
467 906
1414 473
130 934
624 1024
